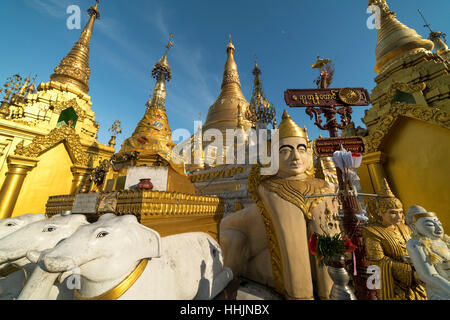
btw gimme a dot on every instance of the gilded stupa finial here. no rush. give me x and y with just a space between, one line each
260 111
394 39
74 68
153 136
224 113
162 66
438 38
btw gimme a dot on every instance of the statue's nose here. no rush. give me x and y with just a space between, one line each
58 264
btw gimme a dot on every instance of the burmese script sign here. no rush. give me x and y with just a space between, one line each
327 146
326 97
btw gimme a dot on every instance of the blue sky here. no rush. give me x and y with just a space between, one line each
130 37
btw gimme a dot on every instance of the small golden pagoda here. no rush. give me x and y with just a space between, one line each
48 136
408 139
170 205
151 143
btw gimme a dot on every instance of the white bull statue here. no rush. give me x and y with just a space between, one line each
36 237
10 225
119 258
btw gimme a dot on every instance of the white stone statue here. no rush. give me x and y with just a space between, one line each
9 225
119 258
37 236
267 241
429 252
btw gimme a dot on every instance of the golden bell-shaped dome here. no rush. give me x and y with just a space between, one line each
224 112
394 38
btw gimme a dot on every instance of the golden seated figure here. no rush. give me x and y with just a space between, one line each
385 238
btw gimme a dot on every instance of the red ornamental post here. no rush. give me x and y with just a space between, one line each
352 228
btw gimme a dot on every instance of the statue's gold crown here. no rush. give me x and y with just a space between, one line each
385 191
288 128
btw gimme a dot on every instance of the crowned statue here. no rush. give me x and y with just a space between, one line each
385 237
429 252
267 241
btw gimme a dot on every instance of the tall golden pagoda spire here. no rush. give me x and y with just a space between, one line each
261 109
395 40
74 68
223 114
152 135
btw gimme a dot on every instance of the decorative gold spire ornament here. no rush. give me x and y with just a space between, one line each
394 38
152 135
260 109
288 128
223 114
74 68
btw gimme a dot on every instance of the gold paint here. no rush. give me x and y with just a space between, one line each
51 176
74 68
152 137
422 215
386 247
288 128
394 38
64 134
121 288
18 168
58 204
223 114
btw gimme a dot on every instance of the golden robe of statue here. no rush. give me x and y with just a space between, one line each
385 238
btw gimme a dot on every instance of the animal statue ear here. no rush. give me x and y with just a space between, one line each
152 244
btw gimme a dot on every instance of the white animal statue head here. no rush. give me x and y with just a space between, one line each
9 225
93 247
37 237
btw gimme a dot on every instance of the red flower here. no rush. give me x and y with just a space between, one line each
348 245
356 154
313 244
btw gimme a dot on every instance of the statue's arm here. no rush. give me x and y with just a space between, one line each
238 220
401 271
426 271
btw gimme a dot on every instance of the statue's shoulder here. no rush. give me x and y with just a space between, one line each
321 184
373 230
413 243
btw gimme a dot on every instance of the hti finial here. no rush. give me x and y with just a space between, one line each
426 25
170 44
94 10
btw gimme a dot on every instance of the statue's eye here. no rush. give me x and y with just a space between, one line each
10 224
49 229
102 234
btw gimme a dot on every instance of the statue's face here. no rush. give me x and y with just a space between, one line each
295 157
430 227
392 217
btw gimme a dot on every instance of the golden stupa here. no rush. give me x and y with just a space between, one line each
152 136
395 40
408 141
224 112
48 135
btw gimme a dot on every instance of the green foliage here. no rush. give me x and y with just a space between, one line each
329 248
